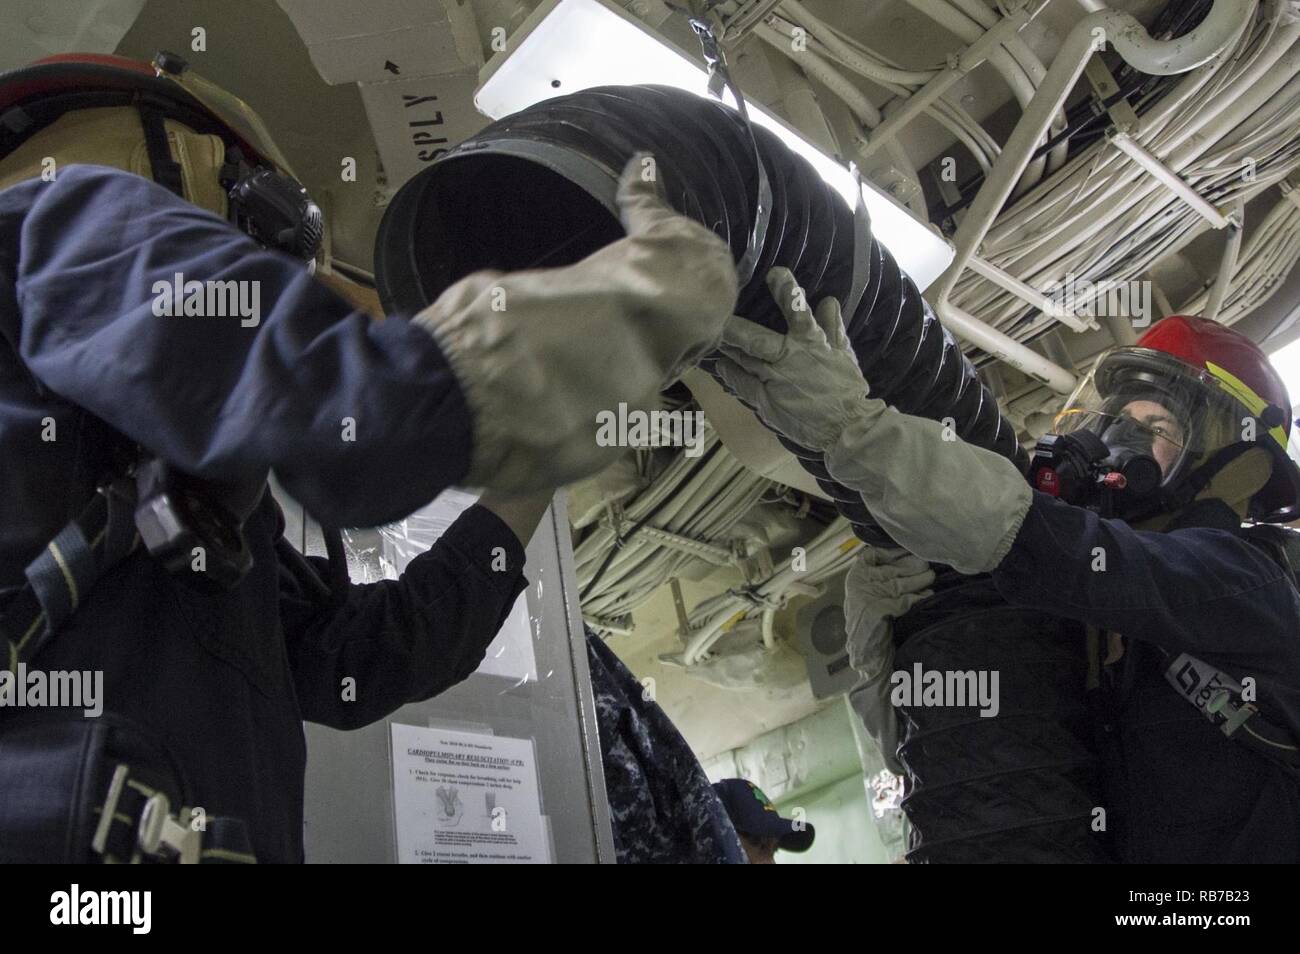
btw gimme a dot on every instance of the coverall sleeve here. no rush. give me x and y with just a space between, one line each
1198 590
400 640
362 420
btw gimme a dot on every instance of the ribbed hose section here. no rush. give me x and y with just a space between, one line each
1013 776
536 189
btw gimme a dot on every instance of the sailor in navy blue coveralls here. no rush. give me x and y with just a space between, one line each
225 681
1178 789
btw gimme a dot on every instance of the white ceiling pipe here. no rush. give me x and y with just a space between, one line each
1221 26
975 9
1042 201
910 108
825 73
1011 71
1228 264
1013 58
970 58
1065 223
1028 293
1005 348
1201 95
1090 220
1028 60
866 112
1098 201
868 67
953 118
1168 178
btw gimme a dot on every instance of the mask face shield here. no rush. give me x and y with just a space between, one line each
1155 406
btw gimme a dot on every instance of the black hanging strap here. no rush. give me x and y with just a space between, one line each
165 170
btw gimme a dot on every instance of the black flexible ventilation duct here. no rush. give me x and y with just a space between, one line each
1023 787
537 189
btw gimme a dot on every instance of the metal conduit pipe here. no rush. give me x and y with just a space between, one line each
952 117
862 108
826 74
1221 27
929 96
1260 78
554 169
1028 61
1001 59
872 69
1005 348
1228 264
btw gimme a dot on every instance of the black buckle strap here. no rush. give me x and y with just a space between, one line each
137 826
63 573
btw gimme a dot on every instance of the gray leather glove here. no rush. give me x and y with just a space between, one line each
540 353
805 384
881 586
943 499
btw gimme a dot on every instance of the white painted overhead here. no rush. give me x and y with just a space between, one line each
39 28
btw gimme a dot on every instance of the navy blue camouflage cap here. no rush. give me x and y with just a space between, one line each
754 815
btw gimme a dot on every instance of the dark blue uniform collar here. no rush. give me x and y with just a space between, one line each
1211 514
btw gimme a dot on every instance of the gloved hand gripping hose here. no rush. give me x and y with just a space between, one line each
537 189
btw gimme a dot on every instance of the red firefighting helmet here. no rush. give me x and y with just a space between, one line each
1219 391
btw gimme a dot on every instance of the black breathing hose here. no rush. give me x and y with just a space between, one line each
537 189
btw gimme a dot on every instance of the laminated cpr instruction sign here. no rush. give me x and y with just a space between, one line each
466 798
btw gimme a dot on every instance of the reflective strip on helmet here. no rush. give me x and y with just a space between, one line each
1239 390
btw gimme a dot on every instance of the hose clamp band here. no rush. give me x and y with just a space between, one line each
720 78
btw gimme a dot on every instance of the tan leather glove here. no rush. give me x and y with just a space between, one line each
939 497
540 353
881 586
